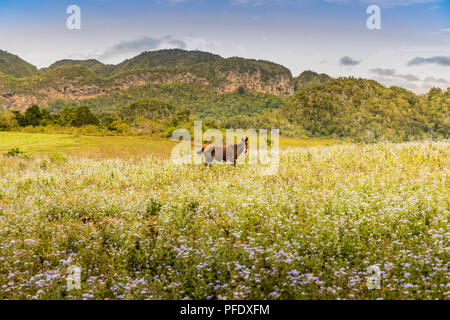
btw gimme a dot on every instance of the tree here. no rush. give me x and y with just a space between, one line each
67 116
118 126
32 117
84 116
19 118
434 92
46 117
152 109
77 117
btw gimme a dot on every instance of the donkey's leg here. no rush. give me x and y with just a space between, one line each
208 161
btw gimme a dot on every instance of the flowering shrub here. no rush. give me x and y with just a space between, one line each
150 229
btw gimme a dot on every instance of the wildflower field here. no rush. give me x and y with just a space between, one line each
150 229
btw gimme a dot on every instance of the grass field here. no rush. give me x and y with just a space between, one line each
110 146
149 229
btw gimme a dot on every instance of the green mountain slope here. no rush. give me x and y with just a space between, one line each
85 79
166 58
366 110
310 78
362 110
226 109
14 66
93 64
202 64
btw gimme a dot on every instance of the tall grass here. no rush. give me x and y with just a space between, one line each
152 229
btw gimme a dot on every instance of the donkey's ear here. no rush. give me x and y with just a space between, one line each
242 139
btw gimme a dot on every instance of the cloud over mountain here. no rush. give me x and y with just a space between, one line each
144 44
349 61
439 60
393 74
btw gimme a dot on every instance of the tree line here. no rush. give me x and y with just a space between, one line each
144 115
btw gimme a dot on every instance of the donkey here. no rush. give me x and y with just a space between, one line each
224 153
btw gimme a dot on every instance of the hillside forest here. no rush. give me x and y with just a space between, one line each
320 106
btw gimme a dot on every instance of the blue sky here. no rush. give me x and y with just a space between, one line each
322 35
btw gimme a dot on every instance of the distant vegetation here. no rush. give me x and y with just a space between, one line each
241 109
93 64
365 110
144 116
197 62
310 78
166 58
152 66
74 116
361 110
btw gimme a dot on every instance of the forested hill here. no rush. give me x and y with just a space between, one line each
14 66
167 58
163 58
366 110
84 79
93 64
310 78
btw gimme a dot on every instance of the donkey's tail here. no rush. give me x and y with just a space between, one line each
200 152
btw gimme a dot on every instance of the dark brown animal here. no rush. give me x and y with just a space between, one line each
226 153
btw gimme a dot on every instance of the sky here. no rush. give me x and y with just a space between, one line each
411 50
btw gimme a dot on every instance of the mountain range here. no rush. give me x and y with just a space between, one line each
229 93
22 84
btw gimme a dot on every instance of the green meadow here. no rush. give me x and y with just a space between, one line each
94 146
142 227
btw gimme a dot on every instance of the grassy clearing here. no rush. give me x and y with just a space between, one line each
152 229
99 147
86 146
